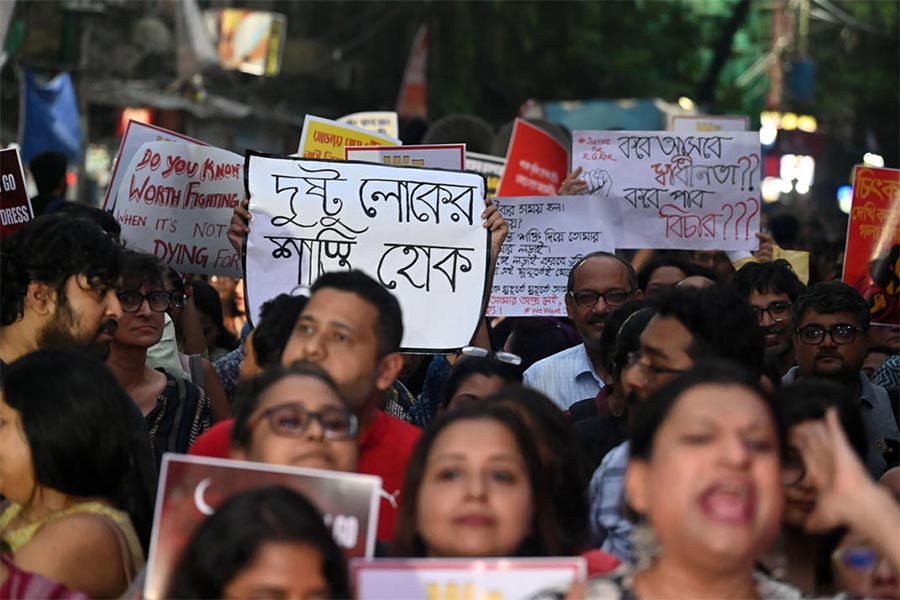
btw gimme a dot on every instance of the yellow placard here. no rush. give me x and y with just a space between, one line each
325 139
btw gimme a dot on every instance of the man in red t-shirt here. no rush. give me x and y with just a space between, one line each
352 326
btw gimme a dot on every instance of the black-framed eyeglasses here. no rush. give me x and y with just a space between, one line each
588 298
635 360
132 301
504 357
292 420
793 469
778 310
841 333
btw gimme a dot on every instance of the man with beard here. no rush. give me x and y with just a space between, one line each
59 287
771 289
598 283
830 324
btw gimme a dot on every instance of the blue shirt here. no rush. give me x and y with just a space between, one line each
565 377
607 494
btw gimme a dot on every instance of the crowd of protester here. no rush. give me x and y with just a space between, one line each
693 430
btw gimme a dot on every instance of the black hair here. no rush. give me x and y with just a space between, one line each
829 297
277 318
721 323
173 281
537 338
207 301
76 418
139 268
647 271
628 339
477 365
611 328
50 250
48 170
632 275
248 394
776 277
228 541
650 414
389 324
809 398
103 218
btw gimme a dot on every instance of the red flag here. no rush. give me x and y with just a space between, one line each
412 101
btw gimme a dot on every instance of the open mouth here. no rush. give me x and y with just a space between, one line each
729 502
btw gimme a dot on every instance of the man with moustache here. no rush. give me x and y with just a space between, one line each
59 287
598 283
830 323
771 288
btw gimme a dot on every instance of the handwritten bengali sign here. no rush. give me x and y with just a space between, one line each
417 231
536 162
459 578
176 201
322 138
547 235
436 156
488 165
136 135
15 206
192 487
872 255
689 191
383 122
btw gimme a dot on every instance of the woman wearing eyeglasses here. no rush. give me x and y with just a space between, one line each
175 410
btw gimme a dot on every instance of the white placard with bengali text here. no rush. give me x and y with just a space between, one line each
417 231
547 235
176 201
682 191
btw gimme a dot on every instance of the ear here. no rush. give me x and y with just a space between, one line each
570 306
636 493
388 368
41 298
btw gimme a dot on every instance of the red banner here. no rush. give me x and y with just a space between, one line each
15 207
536 163
413 101
872 256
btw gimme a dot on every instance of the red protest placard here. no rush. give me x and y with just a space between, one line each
15 206
872 255
535 163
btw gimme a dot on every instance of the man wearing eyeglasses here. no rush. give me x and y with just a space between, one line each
598 283
771 288
830 322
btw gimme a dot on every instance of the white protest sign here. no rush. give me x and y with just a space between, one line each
683 191
176 202
136 135
454 578
438 156
416 231
707 123
547 235
192 487
384 122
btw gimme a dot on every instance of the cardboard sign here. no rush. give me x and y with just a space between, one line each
15 207
708 123
322 138
384 122
176 202
439 156
872 256
136 135
535 163
547 235
453 579
191 487
691 192
417 231
488 165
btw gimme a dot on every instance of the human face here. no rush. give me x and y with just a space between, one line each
800 494
476 387
16 467
777 332
282 570
664 352
664 278
86 315
144 327
827 359
712 486
475 496
336 330
598 274
312 449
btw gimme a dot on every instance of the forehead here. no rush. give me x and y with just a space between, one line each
767 297
601 273
667 334
667 273
721 404
329 305
475 438
811 315
310 391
